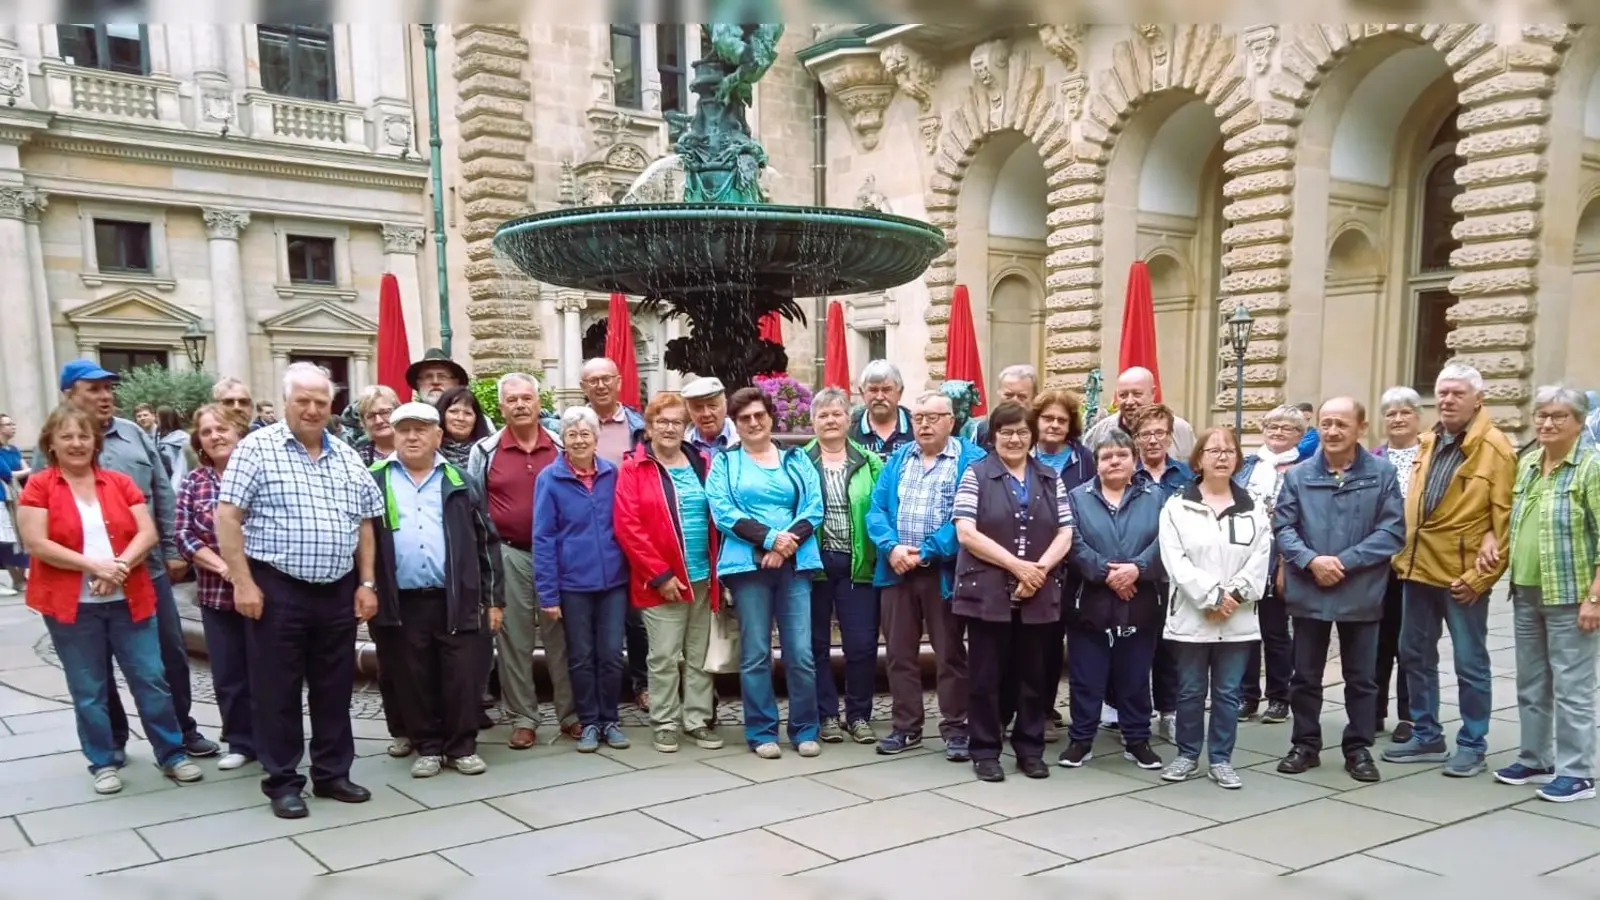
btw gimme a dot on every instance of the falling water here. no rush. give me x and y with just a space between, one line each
656 183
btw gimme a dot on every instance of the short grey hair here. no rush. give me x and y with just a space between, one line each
882 370
1571 398
927 396
1113 439
221 388
514 378
831 396
1399 395
371 394
1020 370
1290 414
306 374
579 415
1460 372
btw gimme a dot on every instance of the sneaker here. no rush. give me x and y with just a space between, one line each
1248 710
589 740
956 748
809 749
233 761
831 732
862 732
1518 775
1414 751
1182 768
1139 752
107 780
1167 727
665 740
615 739
201 747
1277 713
769 750
184 771
1225 777
1566 789
1402 733
400 747
899 742
426 766
1076 754
705 738
1465 764
471 764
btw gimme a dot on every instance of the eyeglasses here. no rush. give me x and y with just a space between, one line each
1221 452
1012 434
670 424
599 380
378 415
752 418
1054 420
235 402
1278 428
1154 435
929 418
1555 418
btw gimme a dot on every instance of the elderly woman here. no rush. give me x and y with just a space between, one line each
1261 475
766 501
843 588
464 423
1555 594
580 574
215 432
1113 626
1014 523
88 531
664 528
1215 545
1402 424
374 407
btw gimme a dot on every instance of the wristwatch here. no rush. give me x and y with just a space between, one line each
1593 598
370 585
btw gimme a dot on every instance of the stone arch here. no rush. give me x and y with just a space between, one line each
1504 91
1353 252
1169 277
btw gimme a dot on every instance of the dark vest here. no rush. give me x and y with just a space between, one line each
983 590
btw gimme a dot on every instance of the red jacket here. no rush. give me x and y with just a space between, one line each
54 592
649 528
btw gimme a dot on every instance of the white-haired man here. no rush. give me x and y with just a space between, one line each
1458 526
504 466
1016 384
233 395
1136 389
883 425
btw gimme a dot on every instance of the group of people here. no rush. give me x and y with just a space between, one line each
1163 571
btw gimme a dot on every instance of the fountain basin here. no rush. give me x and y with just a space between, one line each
681 250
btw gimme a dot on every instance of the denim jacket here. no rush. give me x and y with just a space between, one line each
1358 517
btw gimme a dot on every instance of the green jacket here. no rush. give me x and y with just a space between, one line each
863 467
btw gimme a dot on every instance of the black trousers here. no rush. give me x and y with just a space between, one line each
390 644
636 674
1164 676
1277 647
438 686
1389 667
305 639
1055 660
1358 656
1008 670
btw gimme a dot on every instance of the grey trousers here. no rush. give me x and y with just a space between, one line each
515 642
1555 685
681 690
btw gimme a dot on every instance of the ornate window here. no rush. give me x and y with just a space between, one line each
627 66
1431 269
122 247
311 260
121 48
297 61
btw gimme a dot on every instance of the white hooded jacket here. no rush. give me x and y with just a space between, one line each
1207 556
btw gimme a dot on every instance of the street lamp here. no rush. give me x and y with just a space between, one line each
1239 336
194 346
430 47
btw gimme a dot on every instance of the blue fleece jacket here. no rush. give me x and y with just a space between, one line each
574 545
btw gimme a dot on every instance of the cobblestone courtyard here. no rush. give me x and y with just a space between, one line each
654 818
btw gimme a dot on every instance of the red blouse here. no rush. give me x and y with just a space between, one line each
54 592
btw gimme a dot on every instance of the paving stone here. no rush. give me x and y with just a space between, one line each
922 772
407 835
596 797
936 863
642 756
1332 776
1587 870
1360 872
45 720
11 836
1021 796
1174 857
860 830
16 703
1201 797
1435 798
415 873
1101 827
1310 833
1584 812
47 864
834 757
569 847
1505 844
141 810
40 743
752 807
203 834
42 681
272 859
747 853
531 773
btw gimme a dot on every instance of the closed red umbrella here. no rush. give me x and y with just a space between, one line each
961 349
836 358
772 328
394 353
1139 326
619 349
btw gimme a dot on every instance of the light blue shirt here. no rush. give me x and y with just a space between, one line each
419 540
696 518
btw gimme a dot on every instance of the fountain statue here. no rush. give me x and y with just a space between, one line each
724 257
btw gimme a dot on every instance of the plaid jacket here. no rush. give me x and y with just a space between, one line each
195 527
1569 536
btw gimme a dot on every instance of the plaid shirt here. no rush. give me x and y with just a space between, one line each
302 517
1567 522
196 529
927 494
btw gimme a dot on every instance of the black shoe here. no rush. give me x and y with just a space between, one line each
1055 718
1139 752
289 806
1402 732
484 722
1277 712
1033 767
1248 709
343 790
1299 760
197 745
1076 754
988 770
1361 767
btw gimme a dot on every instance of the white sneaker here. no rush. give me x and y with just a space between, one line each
471 764
809 749
107 780
1167 727
769 750
7 592
185 772
233 761
400 747
425 767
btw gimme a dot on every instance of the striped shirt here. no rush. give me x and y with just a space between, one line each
696 519
1568 520
1447 459
836 508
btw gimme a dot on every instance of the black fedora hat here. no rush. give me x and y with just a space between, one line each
436 357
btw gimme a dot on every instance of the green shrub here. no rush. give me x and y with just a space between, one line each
485 390
160 386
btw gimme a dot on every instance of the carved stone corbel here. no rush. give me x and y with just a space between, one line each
916 77
991 65
1065 42
856 80
1156 38
1259 40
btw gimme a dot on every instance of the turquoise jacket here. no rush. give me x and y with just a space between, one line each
747 538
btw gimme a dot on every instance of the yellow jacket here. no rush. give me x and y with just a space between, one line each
1443 546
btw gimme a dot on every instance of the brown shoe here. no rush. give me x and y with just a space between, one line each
642 700
573 730
522 739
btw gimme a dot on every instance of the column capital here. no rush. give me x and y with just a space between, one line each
21 202
225 224
405 239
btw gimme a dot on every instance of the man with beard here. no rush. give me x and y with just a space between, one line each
883 426
434 374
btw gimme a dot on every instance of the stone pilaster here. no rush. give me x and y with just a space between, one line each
230 354
25 383
400 246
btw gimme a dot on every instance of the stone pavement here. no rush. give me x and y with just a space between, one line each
640 815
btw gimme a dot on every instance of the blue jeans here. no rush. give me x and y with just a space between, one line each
174 665
228 646
760 598
1220 667
594 623
1427 610
856 606
104 630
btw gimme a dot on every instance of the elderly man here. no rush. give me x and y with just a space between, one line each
1136 389
883 425
910 523
129 450
434 374
438 571
1017 384
233 395
504 466
295 518
708 408
1458 525
1339 520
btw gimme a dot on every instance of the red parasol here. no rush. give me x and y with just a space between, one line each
394 353
1139 326
961 349
619 349
836 365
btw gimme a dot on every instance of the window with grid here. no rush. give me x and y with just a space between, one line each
115 48
1431 269
626 64
122 246
672 64
297 61
877 343
123 360
310 260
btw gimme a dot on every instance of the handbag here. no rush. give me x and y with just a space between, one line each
722 650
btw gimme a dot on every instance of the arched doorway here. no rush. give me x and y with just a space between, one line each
594 344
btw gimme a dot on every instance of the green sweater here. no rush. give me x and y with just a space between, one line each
864 467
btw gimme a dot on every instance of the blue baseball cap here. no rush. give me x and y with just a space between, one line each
85 370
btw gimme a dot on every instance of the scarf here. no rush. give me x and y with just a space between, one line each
1265 478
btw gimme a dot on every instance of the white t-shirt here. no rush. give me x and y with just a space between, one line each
96 545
